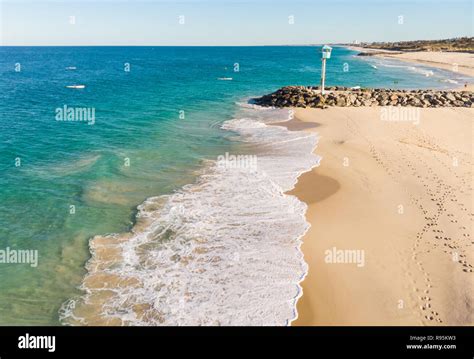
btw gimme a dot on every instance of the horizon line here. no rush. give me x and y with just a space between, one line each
280 45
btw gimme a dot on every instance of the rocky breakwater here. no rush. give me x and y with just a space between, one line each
301 96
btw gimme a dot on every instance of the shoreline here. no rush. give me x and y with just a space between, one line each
329 296
118 281
456 62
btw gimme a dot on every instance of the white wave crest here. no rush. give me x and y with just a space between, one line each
222 251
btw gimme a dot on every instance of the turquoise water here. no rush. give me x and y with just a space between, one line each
162 118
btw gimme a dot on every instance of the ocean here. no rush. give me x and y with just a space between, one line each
154 195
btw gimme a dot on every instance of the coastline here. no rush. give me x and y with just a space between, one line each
166 171
101 245
410 277
460 62
173 241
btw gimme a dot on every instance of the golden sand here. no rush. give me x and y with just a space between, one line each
402 193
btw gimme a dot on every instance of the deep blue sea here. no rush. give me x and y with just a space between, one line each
208 245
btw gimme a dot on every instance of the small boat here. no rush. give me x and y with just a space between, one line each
225 78
355 88
71 68
373 66
76 86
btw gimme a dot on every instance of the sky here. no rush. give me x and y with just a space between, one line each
229 22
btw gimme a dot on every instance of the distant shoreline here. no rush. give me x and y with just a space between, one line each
460 62
459 44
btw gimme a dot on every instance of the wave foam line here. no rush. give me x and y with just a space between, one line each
225 250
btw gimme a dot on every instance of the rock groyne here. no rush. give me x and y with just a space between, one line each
302 96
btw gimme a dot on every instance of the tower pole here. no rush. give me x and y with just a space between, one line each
323 75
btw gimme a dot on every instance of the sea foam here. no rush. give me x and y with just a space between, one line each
224 250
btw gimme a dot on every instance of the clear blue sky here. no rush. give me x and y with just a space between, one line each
225 22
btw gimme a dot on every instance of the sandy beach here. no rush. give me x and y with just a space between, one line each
453 61
401 193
